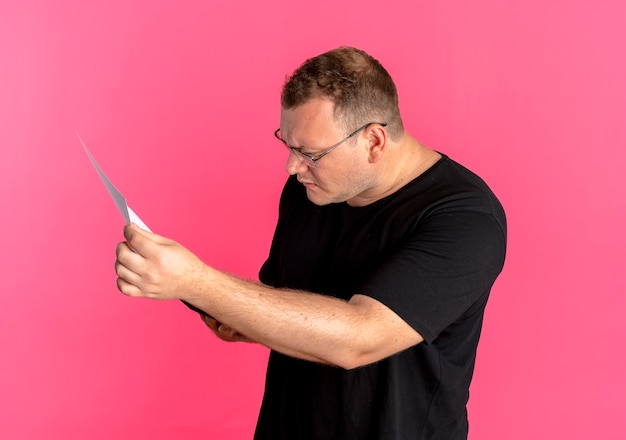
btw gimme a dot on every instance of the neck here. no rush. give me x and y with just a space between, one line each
404 161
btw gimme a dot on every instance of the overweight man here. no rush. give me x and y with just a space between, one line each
373 293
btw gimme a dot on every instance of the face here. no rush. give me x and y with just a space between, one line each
344 173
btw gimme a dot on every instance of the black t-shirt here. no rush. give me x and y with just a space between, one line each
430 252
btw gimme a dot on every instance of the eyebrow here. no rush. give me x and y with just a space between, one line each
304 147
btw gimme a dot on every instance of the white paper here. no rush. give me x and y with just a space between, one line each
128 214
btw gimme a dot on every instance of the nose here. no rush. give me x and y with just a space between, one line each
295 165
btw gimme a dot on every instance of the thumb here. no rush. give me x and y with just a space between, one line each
139 240
133 230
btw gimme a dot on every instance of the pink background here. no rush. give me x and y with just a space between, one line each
178 102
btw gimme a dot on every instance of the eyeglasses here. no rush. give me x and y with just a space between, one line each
311 160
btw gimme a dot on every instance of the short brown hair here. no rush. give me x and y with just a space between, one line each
361 88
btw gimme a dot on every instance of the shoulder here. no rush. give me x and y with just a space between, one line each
448 185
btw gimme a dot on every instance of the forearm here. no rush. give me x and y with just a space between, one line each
299 324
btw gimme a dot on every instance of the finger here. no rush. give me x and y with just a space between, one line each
134 232
210 322
134 229
226 333
230 334
139 240
131 261
127 275
213 325
128 289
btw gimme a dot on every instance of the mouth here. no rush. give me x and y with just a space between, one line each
306 183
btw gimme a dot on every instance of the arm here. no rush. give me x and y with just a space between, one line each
300 324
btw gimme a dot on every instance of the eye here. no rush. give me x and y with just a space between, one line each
299 151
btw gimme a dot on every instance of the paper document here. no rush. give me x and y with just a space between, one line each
128 214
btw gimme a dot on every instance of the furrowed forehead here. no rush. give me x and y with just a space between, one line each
311 125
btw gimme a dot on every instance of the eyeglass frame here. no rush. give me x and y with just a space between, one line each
309 159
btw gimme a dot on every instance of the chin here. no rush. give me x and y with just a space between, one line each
323 200
318 199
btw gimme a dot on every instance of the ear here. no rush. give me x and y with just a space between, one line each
378 139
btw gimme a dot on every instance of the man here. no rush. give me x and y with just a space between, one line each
373 294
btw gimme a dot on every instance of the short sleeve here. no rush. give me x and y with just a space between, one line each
450 262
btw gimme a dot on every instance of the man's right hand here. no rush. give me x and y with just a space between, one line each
222 331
